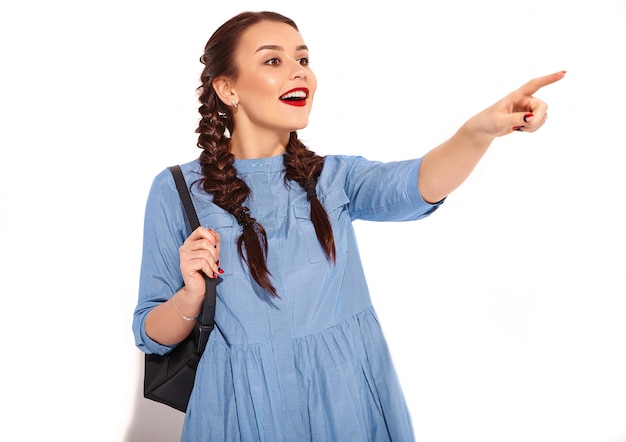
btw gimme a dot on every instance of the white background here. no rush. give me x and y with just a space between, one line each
505 311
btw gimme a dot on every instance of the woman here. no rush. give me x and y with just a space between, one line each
297 353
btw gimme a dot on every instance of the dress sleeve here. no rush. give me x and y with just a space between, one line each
164 232
386 191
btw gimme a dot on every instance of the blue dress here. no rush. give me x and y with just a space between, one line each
311 364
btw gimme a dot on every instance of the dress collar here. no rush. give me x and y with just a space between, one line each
271 164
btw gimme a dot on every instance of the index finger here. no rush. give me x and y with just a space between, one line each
537 83
206 233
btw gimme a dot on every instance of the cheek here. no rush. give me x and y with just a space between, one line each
256 86
264 85
272 88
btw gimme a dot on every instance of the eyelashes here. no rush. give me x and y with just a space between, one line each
275 61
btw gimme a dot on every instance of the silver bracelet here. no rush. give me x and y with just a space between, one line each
186 318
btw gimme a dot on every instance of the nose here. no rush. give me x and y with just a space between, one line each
299 71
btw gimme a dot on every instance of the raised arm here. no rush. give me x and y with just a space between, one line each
446 166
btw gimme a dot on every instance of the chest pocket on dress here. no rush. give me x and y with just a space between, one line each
222 223
336 204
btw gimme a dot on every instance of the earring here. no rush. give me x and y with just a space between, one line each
234 103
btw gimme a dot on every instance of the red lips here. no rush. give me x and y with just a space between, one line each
295 97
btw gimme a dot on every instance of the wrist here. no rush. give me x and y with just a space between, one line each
186 306
474 134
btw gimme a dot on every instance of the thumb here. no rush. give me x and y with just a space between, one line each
515 120
528 121
522 118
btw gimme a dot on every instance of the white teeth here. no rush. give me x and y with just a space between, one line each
294 94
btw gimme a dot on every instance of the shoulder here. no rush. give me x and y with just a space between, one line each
340 161
339 165
359 168
191 171
164 180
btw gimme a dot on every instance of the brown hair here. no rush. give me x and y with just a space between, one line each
219 174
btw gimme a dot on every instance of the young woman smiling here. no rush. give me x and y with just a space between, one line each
297 353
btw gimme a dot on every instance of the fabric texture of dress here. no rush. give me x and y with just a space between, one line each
311 364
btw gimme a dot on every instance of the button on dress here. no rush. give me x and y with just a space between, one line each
310 364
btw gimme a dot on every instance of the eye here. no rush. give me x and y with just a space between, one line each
304 61
272 61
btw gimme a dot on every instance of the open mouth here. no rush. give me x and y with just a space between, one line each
295 97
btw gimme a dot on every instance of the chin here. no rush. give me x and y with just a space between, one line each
298 125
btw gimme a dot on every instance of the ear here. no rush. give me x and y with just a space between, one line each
225 90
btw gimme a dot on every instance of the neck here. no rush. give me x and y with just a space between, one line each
254 153
247 146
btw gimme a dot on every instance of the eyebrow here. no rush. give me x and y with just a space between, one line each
279 48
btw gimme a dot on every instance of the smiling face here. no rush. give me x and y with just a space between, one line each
274 87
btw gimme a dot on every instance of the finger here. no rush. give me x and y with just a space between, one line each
522 118
216 249
200 233
202 260
204 232
215 237
537 83
215 264
537 106
208 234
536 121
537 124
203 243
192 270
536 111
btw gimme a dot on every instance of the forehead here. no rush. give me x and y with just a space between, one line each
269 33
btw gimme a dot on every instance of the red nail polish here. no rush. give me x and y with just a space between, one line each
527 116
221 271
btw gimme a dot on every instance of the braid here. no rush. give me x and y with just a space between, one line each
219 178
304 167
